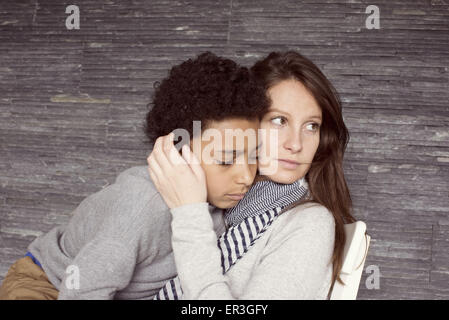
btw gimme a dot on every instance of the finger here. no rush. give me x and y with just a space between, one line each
153 176
148 158
171 152
155 170
174 167
186 154
167 140
193 161
189 155
160 157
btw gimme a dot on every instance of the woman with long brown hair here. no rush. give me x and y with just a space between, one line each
285 238
325 176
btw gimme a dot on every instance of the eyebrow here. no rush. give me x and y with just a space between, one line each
279 111
239 152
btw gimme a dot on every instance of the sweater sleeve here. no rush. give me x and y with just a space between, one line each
103 267
197 256
293 264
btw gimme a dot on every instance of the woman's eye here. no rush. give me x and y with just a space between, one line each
279 120
313 126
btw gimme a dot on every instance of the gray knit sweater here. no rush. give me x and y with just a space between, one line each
127 244
119 239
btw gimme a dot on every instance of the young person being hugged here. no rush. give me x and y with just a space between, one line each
118 239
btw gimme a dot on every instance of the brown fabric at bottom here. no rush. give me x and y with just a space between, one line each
27 281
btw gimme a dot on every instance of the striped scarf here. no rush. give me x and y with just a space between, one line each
264 195
247 221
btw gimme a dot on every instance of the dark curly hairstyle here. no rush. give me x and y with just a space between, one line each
207 88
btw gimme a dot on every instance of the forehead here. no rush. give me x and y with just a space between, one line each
231 134
233 123
292 96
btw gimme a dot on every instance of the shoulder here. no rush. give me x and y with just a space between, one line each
136 181
135 201
306 218
311 211
138 174
131 186
145 221
132 189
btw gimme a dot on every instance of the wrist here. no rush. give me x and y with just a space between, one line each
192 215
188 207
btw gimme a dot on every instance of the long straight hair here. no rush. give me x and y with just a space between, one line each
325 177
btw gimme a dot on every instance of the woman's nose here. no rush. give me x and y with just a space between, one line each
293 141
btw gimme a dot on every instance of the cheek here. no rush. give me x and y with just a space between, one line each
216 182
253 169
210 176
312 147
271 140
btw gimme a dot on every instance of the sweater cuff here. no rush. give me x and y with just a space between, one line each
192 216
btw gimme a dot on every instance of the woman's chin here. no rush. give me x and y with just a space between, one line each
285 177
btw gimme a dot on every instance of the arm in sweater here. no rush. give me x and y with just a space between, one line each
128 219
106 263
103 267
293 265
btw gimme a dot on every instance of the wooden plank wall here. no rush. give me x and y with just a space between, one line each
72 105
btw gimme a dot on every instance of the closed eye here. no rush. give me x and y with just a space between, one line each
225 163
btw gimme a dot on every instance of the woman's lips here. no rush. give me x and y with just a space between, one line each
288 164
236 196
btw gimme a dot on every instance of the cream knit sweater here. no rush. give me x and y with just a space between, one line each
291 260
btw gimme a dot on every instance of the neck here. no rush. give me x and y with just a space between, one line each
260 178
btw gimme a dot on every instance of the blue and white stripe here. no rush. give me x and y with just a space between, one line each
263 195
171 291
235 242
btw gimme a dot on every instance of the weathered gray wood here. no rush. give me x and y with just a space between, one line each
72 103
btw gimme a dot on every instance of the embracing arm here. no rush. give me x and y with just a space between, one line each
293 266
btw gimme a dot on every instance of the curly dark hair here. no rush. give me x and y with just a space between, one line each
207 88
